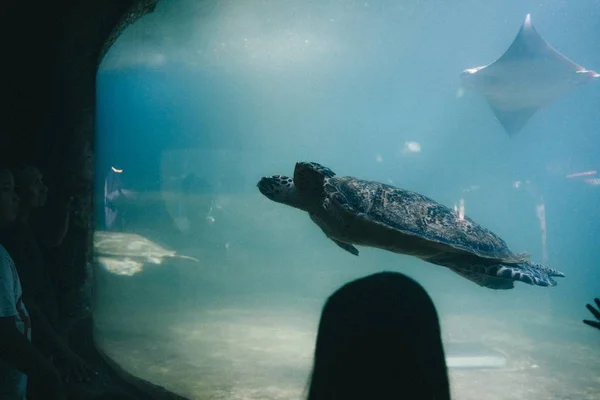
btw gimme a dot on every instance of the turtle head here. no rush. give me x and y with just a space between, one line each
304 191
280 189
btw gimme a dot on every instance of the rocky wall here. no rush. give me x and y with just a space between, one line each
51 53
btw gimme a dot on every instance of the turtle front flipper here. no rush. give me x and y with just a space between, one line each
309 178
321 224
348 247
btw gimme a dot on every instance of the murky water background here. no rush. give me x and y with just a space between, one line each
232 91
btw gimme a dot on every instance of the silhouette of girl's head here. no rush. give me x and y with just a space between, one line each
30 187
379 338
9 201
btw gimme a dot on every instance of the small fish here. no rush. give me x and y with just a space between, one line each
586 173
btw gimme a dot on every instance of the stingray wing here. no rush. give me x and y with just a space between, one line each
529 47
528 76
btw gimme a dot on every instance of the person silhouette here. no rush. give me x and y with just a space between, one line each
379 338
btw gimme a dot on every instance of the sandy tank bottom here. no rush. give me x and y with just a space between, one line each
261 348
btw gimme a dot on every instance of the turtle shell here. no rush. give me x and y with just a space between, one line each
414 214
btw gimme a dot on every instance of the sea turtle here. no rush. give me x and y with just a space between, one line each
125 253
352 211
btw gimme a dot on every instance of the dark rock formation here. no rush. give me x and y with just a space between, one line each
51 53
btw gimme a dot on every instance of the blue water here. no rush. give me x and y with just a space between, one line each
232 91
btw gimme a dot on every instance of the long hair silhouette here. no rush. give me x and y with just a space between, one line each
379 338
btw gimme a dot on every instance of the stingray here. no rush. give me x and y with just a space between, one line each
528 76
126 253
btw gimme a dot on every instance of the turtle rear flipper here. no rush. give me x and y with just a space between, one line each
517 258
545 270
487 281
528 272
501 276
